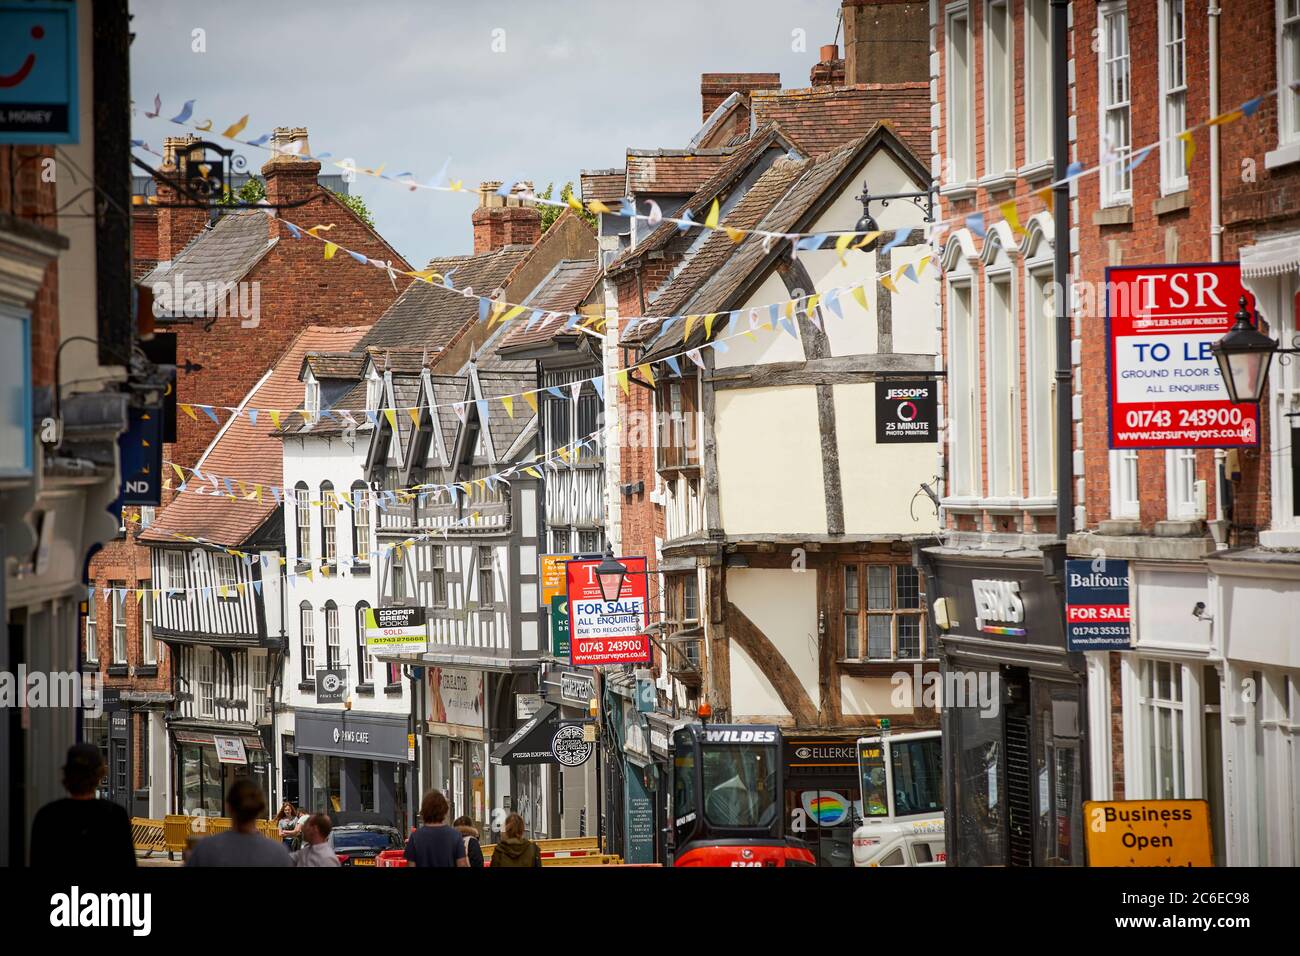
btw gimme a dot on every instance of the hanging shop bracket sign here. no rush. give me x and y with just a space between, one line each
608 632
1097 610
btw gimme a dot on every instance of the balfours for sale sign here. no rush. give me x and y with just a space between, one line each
1165 386
608 632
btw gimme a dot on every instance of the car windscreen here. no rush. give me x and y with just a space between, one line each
739 786
345 840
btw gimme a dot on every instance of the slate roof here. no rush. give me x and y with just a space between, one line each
604 184
446 389
341 365
821 118
563 290
740 161
431 316
247 452
220 253
504 429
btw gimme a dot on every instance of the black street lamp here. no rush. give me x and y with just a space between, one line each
1243 355
610 574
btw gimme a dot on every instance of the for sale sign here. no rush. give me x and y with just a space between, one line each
1165 386
607 632
396 630
1097 611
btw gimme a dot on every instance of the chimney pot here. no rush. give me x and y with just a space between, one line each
290 179
830 51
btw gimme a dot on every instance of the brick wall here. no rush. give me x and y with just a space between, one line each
25 194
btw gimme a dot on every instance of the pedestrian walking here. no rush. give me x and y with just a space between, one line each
316 850
469 833
515 849
244 844
81 830
436 844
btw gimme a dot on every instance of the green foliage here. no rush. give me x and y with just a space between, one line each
252 192
552 213
358 206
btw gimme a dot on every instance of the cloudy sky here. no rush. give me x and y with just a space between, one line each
410 84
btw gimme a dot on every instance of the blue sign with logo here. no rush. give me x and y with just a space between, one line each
140 450
38 72
1097 611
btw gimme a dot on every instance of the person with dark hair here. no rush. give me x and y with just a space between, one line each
80 828
515 849
316 850
435 844
469 833
243 844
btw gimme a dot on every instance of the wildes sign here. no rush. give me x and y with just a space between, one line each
1165 386
607 632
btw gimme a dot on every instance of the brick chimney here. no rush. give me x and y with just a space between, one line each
504 220
716 87
176 226
829 71
886 41
289 178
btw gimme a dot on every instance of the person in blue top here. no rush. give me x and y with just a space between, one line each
436 844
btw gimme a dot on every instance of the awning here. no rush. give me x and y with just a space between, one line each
1272 257
531 743
204 738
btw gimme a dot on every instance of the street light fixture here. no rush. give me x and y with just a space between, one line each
610 574
1243 355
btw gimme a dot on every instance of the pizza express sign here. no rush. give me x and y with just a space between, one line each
906 412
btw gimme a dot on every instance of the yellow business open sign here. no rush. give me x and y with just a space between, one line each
1148 833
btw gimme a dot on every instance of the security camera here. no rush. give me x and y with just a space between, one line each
1198 612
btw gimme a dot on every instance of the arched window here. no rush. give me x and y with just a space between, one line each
307 630
328 513
360 522
364 663
302 519
332 655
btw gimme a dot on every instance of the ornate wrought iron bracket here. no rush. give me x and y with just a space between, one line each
204 177
921 199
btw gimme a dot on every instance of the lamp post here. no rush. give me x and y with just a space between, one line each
1243 355
609 576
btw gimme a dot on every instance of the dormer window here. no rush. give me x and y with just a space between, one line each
311 399
374 391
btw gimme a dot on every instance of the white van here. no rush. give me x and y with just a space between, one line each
902 801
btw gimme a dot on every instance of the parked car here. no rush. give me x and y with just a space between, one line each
359 844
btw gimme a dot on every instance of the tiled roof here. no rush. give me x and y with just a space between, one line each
603 184
336 364
563 290
800 185
821 118
429 315
247 452
724 176
223 252
504 428
673 172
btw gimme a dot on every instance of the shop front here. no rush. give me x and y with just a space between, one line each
208 760
351 763
822 794
543 742
455 751
574 788
1014 708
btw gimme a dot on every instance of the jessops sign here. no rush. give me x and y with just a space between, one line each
1165 386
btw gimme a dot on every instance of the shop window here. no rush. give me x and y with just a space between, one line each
1162 706
366 786
882 613
977 756
1057 787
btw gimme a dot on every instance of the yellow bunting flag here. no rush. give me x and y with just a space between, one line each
275 417
574 202
509 402
888 283
179 473
512 313
531 399
330 249
708 325
867 239
690 323
317 230
1230 117
533 471
920 266
189 410
1189 147
562 452
649 375
735 235
597 206
415 416
391 415
621 375
311 576
236 128
711 220
306 415
842 244
457 185
1008 210
812 302
1045 194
